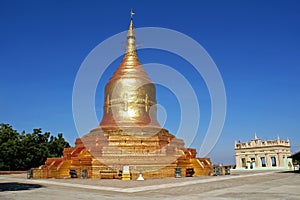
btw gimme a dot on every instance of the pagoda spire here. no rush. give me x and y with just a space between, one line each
130 47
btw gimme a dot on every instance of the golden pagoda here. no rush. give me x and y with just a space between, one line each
129 141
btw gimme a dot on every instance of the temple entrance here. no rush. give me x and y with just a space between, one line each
73 173
273 161
243 162
84 173
263 161
252 166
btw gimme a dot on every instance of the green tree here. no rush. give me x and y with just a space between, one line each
9 141
56 145
34 148
24 151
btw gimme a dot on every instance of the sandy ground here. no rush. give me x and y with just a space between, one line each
238 185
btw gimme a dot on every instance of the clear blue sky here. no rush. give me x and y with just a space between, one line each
255 44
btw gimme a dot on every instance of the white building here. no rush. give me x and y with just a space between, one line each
260 154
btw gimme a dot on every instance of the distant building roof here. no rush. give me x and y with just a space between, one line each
295 156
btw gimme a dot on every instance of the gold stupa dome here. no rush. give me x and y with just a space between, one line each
130 95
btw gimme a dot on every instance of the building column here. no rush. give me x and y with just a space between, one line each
238 161
268 161
284 161
280 161
257 161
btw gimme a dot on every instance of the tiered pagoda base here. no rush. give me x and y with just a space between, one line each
103 153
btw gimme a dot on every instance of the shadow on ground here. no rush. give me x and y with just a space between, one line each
291 172
14 186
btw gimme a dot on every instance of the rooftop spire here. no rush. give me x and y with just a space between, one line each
255 136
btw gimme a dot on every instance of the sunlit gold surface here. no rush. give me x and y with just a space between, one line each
129 94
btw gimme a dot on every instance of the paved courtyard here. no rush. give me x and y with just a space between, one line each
238 185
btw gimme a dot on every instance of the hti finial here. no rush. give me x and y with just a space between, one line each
131 13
